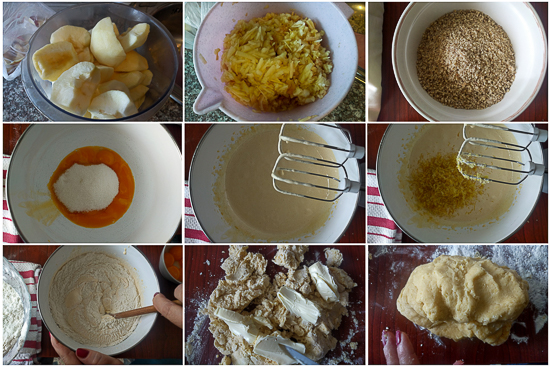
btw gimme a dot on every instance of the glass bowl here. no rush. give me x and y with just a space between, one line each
159 50
11 276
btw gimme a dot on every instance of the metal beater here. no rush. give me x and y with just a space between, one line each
493 161
302 175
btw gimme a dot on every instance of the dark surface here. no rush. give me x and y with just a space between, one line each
385 284
202 278
163 341
394 106
356 230
535 230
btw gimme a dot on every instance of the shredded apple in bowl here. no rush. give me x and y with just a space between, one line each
275 63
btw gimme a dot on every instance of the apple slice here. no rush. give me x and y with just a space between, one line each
134 37
105 45
113 104
138 91
147 77
139 102
74 88
131 79
78 36
113 85
106 72
86 55
133 62
54 59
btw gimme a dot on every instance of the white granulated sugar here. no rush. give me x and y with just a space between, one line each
85 188
13 315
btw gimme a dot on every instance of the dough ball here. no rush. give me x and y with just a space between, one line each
460 297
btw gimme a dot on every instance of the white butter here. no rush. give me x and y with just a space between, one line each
270 347
239 324
296 304
264 321
324 282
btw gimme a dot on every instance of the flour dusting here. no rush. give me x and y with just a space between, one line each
13 315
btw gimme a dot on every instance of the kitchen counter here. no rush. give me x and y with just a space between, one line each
18 107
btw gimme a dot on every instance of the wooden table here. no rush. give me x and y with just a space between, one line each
394 106
202 278
355 232
163 341
387 276
535 230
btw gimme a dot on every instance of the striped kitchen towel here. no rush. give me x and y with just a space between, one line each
380 226
30 273
10 233
193 230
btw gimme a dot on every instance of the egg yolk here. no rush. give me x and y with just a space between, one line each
88 156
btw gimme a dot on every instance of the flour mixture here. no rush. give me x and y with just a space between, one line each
13 314
85 289
251 317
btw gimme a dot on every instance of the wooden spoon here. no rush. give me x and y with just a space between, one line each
138 311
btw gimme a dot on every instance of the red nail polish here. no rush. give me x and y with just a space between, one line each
154 295
398 337
82 353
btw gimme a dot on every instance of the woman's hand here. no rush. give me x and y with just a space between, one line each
82 356
168 309
398 348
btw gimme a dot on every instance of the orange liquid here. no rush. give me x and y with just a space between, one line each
88 156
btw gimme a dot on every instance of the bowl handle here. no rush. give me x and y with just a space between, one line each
208 100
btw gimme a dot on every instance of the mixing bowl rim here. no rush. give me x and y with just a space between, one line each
403 228
155 314
14 221
29 65
395 50
195 153
27 292
231 114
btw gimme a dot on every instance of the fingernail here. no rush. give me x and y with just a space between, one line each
398 337
154 295
82 353
384 338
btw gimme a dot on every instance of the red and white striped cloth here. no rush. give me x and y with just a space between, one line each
32 346
380 226
193 230
10 233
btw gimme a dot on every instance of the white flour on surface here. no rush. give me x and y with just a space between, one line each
13 315
85 289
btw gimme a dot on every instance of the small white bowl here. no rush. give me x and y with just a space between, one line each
162 265
339 39
135 259
526 32
11 276
149 150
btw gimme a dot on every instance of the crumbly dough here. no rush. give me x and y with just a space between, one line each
87 287
246 286
334 257
290 256
461 297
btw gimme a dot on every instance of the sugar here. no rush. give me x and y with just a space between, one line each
85 188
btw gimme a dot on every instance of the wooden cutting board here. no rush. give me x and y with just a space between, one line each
388 274
203 271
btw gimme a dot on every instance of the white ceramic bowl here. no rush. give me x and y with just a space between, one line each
526 32
11 276
387 165
149 150
202 179
148 285
339 39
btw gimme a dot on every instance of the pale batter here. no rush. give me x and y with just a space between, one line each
245 192
85 289
447 138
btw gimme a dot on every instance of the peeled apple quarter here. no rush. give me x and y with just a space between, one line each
78 36
104 44
74 89
54 59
